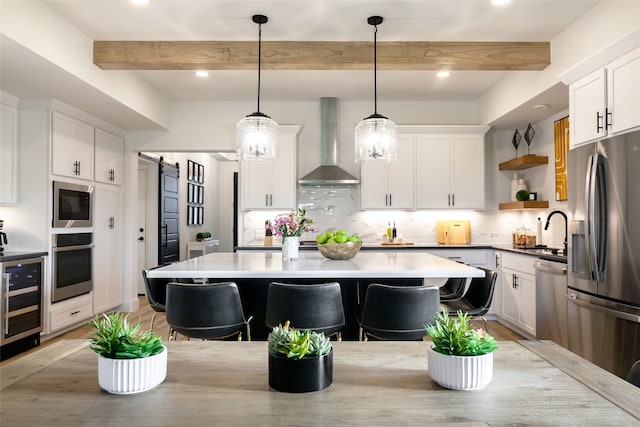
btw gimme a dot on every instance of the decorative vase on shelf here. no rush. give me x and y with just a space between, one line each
514 186
290 248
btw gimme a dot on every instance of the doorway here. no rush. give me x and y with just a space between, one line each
169 214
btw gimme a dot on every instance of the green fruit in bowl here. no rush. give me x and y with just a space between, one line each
331 239
330 233
322 238
354 238
342 231
341 238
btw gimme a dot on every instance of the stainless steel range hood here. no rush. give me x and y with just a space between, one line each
328 173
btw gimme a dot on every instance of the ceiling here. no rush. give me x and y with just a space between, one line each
296 20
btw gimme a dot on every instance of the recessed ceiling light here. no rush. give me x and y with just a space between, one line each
202 73
499 2
140 2
443 74
540 107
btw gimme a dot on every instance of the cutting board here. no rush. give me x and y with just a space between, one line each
453 232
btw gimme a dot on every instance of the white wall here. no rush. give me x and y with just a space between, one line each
606 22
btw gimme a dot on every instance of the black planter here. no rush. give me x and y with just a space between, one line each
300 375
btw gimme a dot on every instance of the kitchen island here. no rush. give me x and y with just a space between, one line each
430 269
253 271
374 383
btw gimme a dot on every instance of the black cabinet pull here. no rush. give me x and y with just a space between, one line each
608 116
598 122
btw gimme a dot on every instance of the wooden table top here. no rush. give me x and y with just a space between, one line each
374 383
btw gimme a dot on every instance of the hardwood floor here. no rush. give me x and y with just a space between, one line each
144 314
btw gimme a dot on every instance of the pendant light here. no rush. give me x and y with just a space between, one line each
257 133
376 135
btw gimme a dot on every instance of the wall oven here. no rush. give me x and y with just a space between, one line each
71 273
72 205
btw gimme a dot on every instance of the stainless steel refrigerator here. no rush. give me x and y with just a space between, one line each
603 295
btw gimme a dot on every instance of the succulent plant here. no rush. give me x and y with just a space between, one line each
116 338
297 343
454 335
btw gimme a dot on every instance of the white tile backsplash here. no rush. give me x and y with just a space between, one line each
339 207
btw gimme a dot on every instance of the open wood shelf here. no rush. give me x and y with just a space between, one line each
524 162
529 204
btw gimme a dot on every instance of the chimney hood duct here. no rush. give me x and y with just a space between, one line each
328 173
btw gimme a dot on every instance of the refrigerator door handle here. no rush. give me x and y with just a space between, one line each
615 313
589 193
600 236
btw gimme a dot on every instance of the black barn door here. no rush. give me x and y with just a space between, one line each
168 221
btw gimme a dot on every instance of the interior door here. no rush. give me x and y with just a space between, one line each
168 219
142 226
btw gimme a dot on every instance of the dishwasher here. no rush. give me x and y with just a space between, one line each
551 301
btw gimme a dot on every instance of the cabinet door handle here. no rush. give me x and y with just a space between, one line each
270 199
453 199
73 313
6 302
390 202
112 222
449 199
112 175
608 118
76 168
266 199
598 122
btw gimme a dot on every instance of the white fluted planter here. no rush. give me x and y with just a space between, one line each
128 376
460 372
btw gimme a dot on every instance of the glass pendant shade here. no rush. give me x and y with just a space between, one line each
257 138
376 135
376 139
257 134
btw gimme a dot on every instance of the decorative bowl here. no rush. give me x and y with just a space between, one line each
345 250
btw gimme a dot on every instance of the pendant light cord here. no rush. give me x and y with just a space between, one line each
259 61
375 69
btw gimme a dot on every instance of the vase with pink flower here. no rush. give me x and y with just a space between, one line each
289 227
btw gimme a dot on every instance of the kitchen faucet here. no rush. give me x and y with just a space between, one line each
546 226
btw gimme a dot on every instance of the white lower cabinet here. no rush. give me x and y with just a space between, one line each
107 254
518 282
473 257
70 312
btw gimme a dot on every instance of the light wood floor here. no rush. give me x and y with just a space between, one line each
144 314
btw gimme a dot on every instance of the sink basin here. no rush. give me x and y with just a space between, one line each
546 251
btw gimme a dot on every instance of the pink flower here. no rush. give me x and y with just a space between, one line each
293 223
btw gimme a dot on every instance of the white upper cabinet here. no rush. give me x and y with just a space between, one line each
450 171
390 185
8 155
271 185
72 147
606 101
623 92
109 157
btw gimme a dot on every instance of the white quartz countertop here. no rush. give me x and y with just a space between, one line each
227 265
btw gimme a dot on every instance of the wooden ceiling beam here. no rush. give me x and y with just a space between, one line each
287 55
